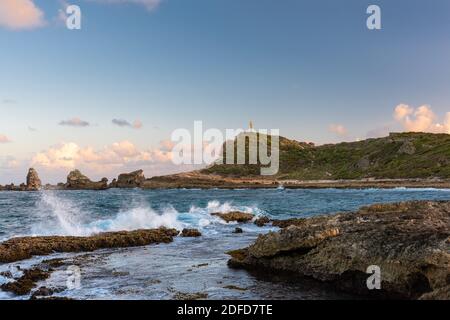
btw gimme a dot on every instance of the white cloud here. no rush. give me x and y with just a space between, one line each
20 14
421 119
338 129
122 155
74 122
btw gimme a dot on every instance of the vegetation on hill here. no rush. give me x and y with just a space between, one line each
400 155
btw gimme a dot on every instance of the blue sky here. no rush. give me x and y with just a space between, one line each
305 67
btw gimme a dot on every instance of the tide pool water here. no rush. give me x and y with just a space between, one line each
187 265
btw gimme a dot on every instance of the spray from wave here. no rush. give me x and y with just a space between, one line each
60 216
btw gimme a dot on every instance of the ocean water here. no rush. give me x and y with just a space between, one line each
188 265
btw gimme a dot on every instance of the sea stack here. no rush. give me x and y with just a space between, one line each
78 181
33 181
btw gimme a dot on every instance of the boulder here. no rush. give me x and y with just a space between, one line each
130 180
408 241
262 221
238 230
77 181
33 181
234 216
190 233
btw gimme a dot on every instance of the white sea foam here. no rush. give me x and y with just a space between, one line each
201 216
139 218
61 216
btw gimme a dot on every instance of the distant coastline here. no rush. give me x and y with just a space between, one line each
409 160
198 180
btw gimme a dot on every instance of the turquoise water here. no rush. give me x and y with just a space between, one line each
157 272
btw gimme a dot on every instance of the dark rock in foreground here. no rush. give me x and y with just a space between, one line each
409 242
234 216
24 248
26 282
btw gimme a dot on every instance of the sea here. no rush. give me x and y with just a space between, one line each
186 266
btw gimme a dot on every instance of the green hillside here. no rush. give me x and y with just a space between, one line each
400 155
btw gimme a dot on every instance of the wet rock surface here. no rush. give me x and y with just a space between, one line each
261 222
409 241
24 284
17 249
193 233
234 216
238 230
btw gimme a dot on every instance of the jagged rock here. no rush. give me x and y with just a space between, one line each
234 216
77 181
130 180
409 242
260 222
26 282
439 294
190 233
289 222
33 181
17 249
42 292
190 296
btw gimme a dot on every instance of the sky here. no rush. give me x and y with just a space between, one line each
106 98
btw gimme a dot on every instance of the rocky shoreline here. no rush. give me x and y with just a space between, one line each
408 241
197 180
